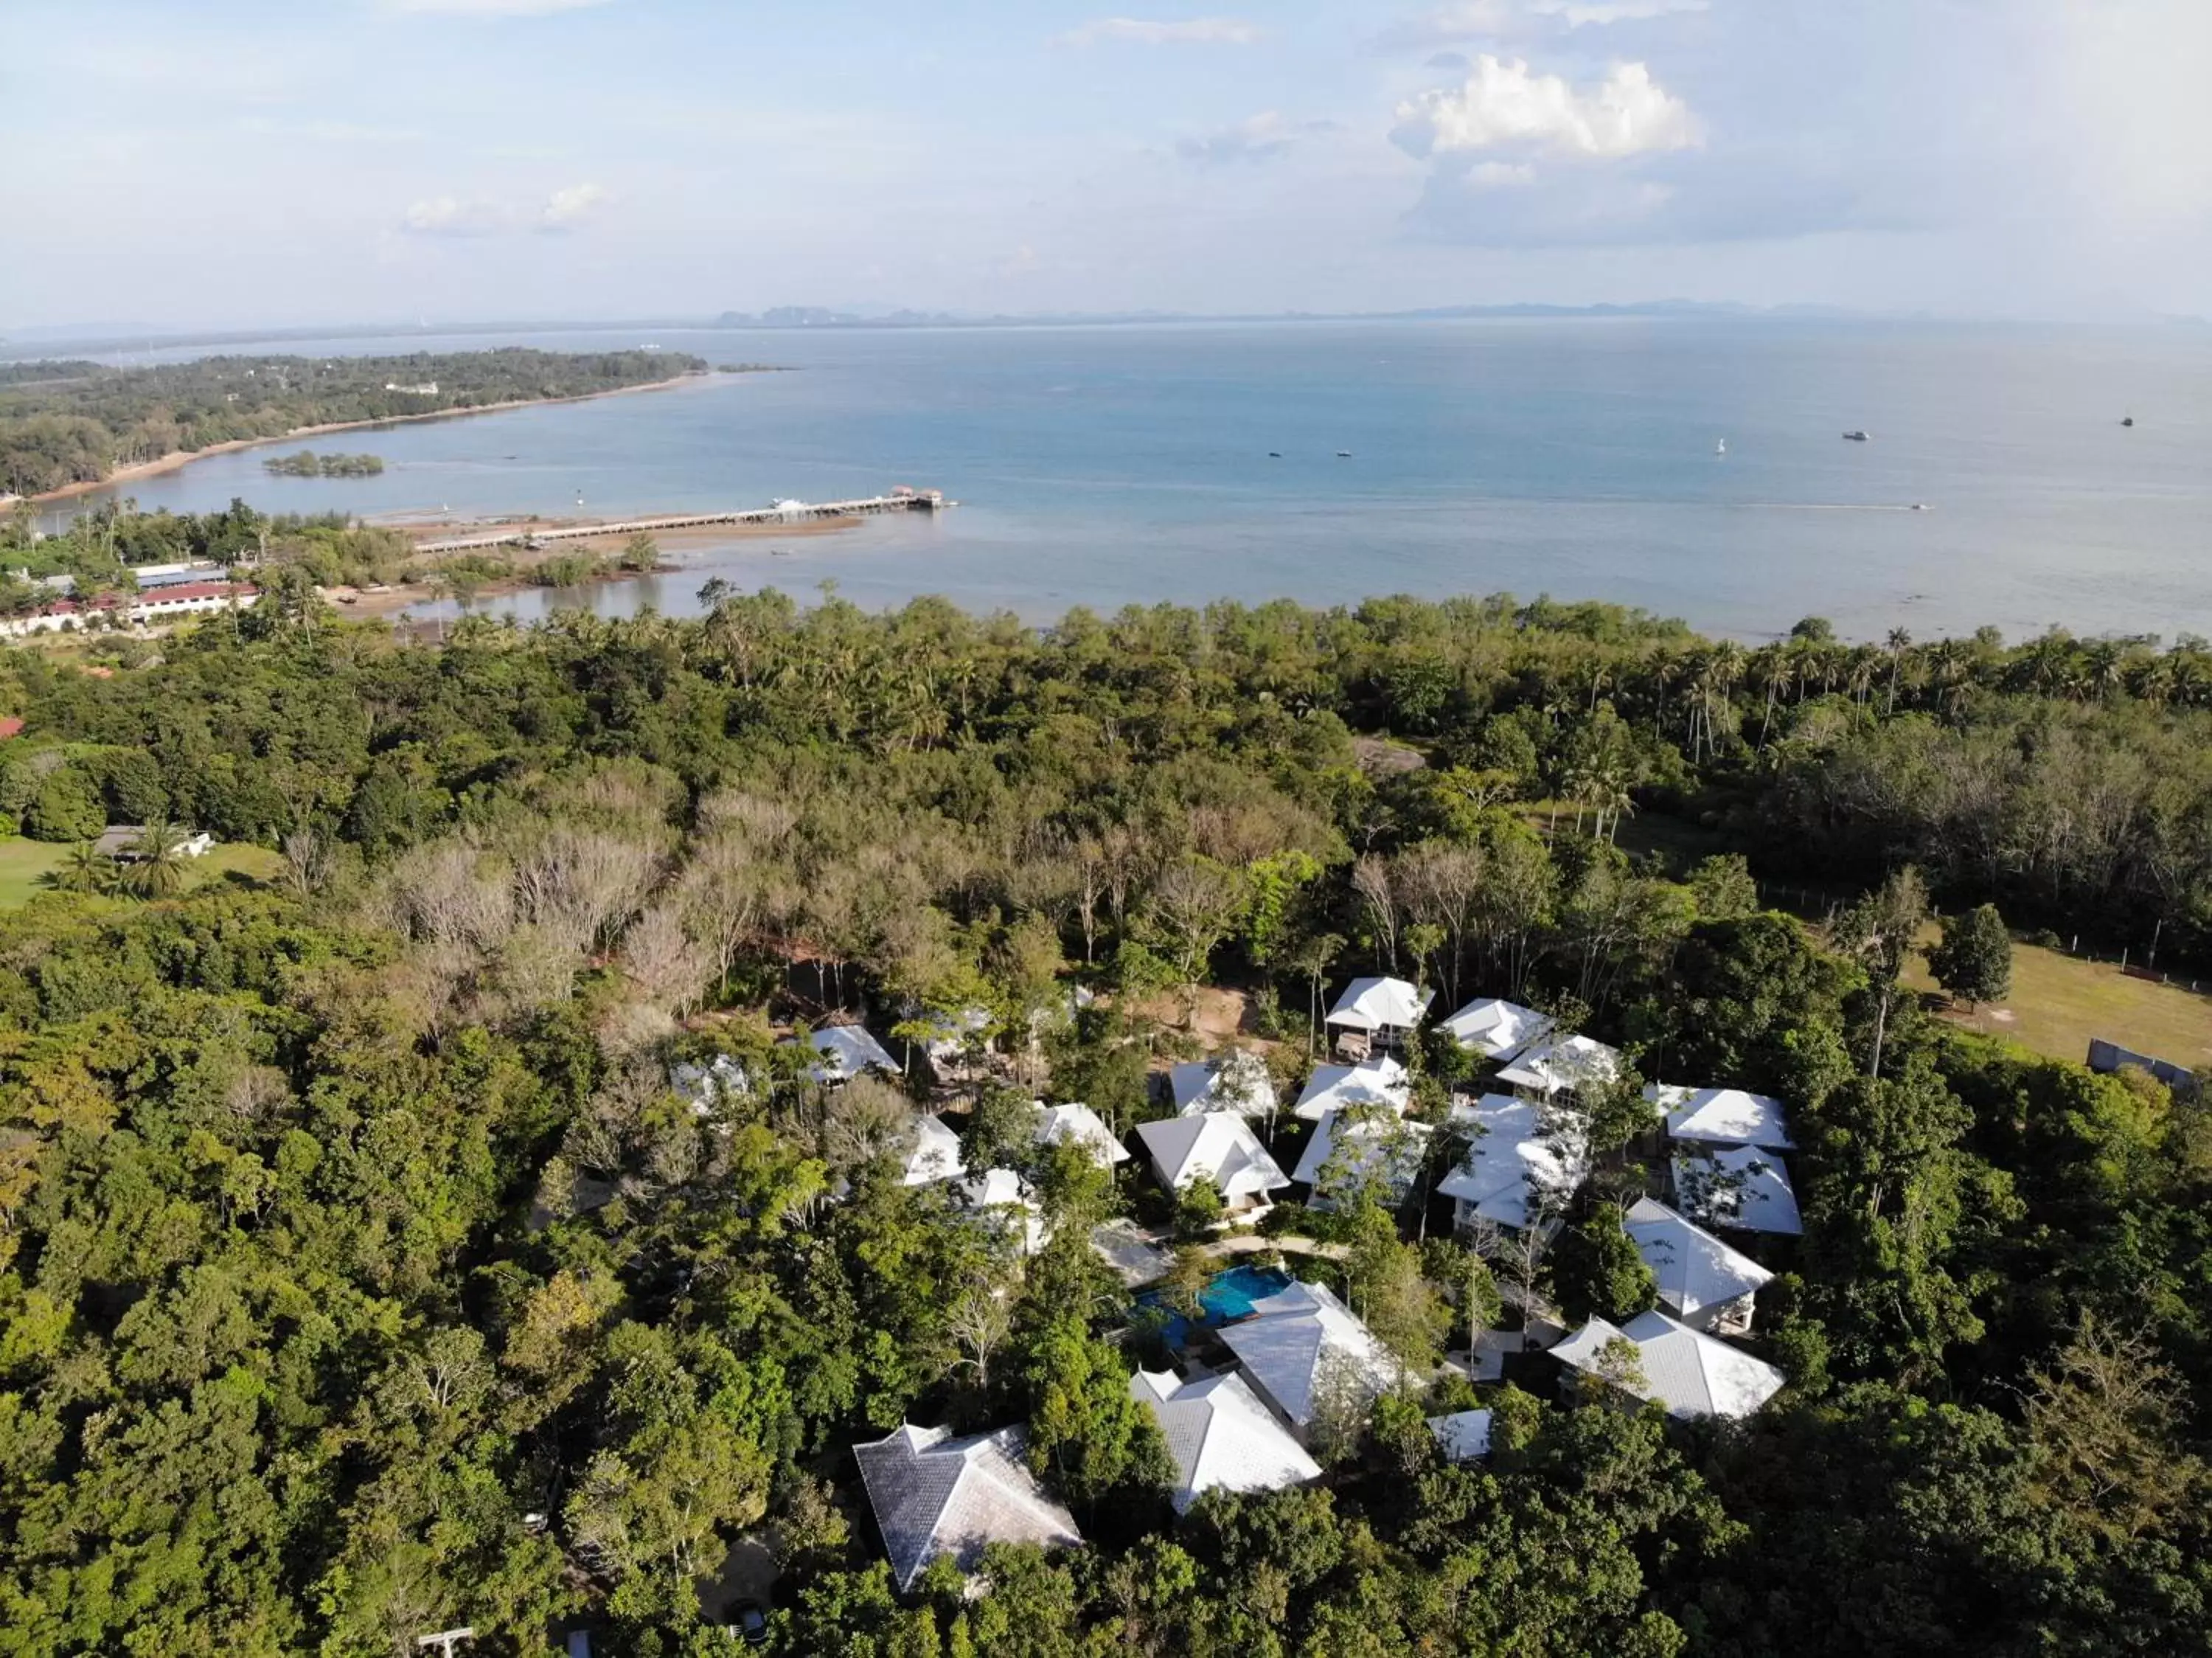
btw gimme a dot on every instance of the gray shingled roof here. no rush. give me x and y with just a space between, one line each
935 1495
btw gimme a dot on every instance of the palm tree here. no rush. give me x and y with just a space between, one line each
1897 642
160 871
86 869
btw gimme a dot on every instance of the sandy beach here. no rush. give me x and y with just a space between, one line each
179 458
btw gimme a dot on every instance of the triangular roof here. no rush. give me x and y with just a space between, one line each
1059 1125
1220 1436
1214 1145
1293 1336
1369 1004
1725 1117
936 1153
998 1193
704 1084
1463 1435
947 1034
1379 1081
1365 1143
1739 1189
1689 1373
1514 1151
1496 1029
1235 1081
846 1051
1564 1062
1694 1269
934 1495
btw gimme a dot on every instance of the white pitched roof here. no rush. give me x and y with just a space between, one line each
1379 1081
1365 1144
1741 1188
997 1192
934 1495
1293 1338
1235 1081
1695 1270
949 1033
936 1154
1566 1062
1220 1436
1212 1145
1725 1117
1515 1152
1496 1029
1687 1371
847 1050
1373 1004
702 1085
1058 1124
1463 1435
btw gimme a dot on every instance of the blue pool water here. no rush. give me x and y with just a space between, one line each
1226 1297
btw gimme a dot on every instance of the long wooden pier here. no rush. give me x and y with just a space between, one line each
782 512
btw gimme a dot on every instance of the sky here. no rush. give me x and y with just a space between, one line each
235 164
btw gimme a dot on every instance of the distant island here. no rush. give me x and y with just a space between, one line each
308 464
69 426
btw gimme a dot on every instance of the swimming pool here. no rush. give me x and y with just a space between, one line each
1227 1297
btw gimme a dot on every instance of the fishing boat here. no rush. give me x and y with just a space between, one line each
1854 437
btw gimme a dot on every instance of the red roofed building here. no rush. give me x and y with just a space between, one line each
151 607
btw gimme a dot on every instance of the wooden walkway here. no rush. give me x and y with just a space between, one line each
783 512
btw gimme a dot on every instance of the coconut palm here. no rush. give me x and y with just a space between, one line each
160 870
86 869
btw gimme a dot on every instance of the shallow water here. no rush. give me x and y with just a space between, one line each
1569 456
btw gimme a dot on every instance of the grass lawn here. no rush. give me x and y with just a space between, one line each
2059 1002
24 865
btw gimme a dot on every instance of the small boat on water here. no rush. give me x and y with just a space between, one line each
1274 454
2128 420
1854 437
1720 448
1344 455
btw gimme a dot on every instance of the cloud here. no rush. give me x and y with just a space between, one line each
1260 138
1502 105
491 8
1481 19
565 209
451 216
1192 32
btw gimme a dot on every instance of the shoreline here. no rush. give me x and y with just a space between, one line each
395 601
177 460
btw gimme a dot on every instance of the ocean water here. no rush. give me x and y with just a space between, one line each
1574 457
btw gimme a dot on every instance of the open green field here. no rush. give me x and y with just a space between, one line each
2059 1002
25 865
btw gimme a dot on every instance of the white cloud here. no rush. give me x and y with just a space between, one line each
565 209
451 215
1259 138
1503 106
1478 20
491 8
1191 32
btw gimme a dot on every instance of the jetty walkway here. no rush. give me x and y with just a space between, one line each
782 512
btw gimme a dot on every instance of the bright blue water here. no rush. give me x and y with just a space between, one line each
1574 456
1226 1297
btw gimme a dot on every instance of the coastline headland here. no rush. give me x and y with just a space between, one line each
177 458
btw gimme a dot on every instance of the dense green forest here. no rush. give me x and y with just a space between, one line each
76 423
361 1275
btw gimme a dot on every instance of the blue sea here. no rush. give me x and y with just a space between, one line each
1576 457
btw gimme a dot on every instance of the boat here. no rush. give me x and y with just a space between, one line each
1854 437
1720 448
2128 420
1344 455
1274 454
